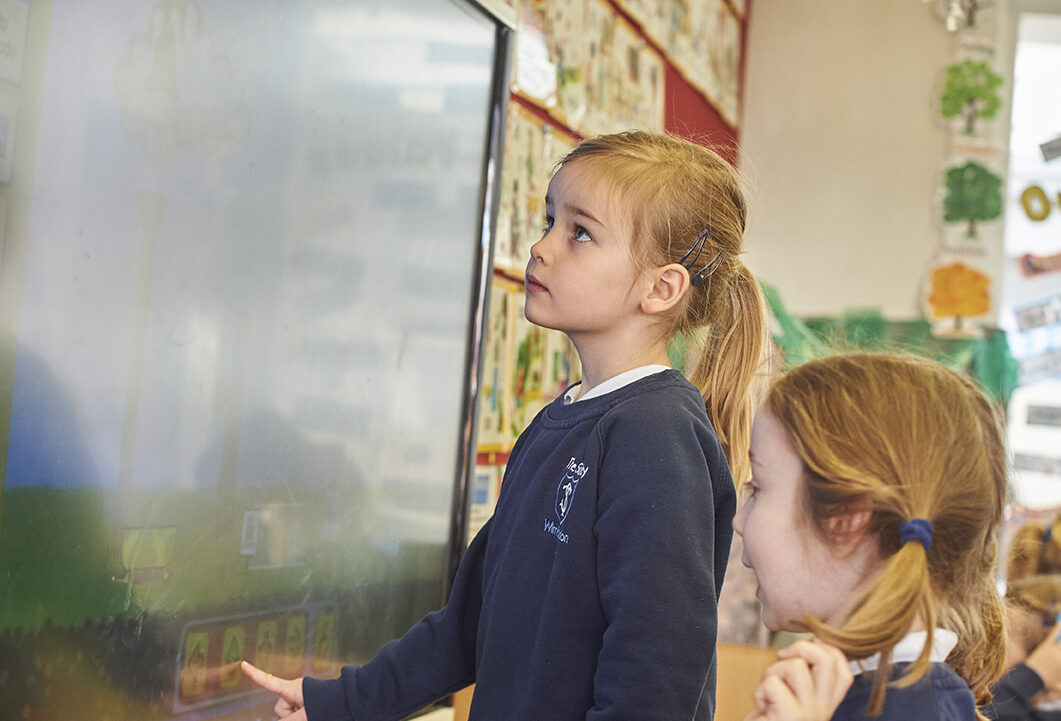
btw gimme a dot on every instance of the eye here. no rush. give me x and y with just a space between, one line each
749 490
582 235
548 225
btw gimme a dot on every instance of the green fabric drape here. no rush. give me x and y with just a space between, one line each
987 359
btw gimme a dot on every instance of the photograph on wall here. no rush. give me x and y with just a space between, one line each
543 364
653 16
636 77
597 70
525 367
533 66
496 380
523 182
549 57
532 149
485 486
528 373
561 367
723 53
566 23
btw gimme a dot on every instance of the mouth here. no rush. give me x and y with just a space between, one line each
533 285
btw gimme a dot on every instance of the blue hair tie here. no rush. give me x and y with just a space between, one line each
1048 535
917 529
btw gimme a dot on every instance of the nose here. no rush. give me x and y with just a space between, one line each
738 520
539 249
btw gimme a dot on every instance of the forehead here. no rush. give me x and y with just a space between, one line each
772 452
586 184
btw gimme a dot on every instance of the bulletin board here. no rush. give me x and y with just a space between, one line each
245 251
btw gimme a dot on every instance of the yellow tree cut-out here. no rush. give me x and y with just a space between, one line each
959 291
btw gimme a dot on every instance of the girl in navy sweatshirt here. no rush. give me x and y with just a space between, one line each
591 594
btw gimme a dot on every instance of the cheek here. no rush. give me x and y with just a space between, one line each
755 529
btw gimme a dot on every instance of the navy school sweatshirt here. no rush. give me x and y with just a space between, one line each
592 592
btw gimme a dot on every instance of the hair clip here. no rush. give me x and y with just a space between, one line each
704 273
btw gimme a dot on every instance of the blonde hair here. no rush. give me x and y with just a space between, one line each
905 438
1033 582
674 190
1035 549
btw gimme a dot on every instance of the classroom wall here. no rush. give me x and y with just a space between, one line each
842 151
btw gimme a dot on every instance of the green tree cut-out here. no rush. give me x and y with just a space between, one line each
970 91
974 194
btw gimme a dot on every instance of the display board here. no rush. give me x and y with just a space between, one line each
245 252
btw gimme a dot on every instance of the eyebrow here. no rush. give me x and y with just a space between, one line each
579 211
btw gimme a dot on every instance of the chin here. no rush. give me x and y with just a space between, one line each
774 624
530 316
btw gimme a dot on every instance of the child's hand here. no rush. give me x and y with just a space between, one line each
289 705
1045 660
807 684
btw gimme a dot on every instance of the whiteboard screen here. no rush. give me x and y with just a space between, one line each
241 255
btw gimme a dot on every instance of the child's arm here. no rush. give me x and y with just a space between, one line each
1023 686
434 658
807 684
1045 660
665 500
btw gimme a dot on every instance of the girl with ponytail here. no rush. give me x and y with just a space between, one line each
592 592
1031 688
874 508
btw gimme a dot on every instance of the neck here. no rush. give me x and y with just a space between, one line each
607 360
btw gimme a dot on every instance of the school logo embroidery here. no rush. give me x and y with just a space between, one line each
565 491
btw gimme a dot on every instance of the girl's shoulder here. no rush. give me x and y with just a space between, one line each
940 694
660 395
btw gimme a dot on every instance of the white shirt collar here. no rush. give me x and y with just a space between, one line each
614 383
909 648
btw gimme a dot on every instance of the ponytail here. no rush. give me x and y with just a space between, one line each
899 596
726 369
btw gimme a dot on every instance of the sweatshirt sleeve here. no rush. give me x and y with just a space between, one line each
658 527
1013 696
435 658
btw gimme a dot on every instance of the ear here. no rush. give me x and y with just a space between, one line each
669 284
847 530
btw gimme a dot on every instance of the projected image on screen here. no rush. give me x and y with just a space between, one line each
241 254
